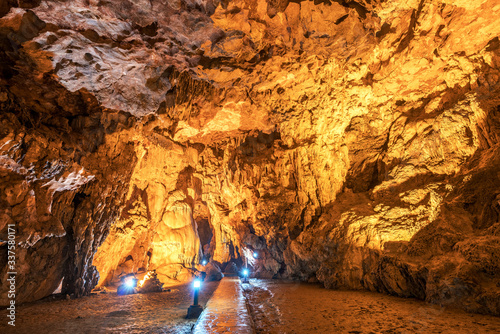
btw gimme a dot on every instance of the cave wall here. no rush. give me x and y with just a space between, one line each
156 230
379 131
60 187
353 143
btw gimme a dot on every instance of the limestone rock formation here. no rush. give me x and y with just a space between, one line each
351 142
213 272
150 283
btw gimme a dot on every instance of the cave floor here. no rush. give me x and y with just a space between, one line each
275 307
162 312
286 307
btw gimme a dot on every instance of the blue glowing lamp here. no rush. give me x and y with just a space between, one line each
255 254
196 285
130 283
204 262
245 272
195 310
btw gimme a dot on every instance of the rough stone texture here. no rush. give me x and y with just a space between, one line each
156 230
355 143
213 272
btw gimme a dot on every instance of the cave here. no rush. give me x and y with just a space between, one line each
345 152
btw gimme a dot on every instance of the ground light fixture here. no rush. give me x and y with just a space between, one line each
245 273
195 310
204 262
127 286
255 255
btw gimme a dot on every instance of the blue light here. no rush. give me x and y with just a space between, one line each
197 284
245 272
255 254
204 262
129 283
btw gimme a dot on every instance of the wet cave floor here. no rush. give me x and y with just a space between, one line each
161 312
275 307
280 307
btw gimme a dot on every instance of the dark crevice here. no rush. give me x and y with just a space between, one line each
342 19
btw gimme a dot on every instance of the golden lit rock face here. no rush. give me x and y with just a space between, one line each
351 143
156 230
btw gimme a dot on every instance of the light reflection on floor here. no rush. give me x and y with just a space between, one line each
226 312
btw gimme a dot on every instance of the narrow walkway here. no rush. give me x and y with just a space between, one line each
226 311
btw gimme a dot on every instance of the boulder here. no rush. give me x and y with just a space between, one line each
213 272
